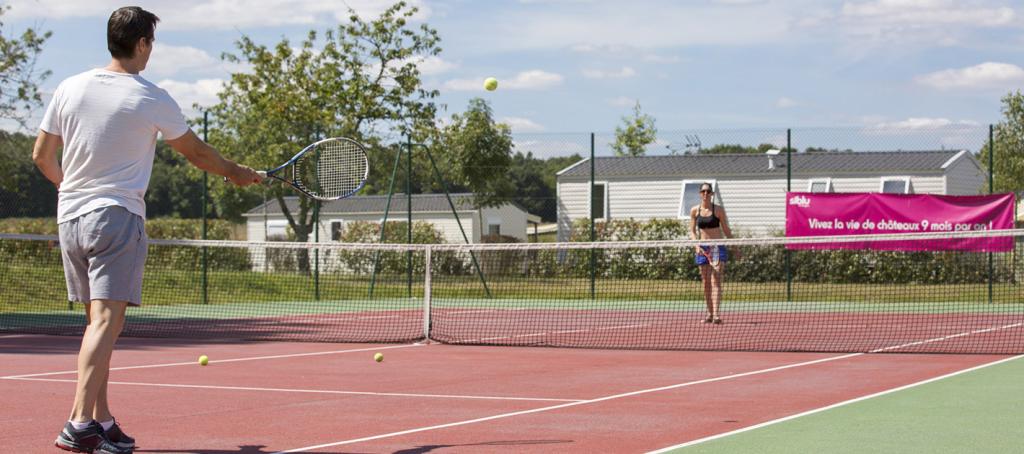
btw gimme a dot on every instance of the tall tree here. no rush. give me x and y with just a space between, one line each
635 133
19 78
479 153
24 192
1008 147
359 80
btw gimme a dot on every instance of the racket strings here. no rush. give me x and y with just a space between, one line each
332 170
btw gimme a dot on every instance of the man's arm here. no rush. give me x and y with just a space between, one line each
44 154
205 157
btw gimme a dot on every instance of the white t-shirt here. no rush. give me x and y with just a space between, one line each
109 123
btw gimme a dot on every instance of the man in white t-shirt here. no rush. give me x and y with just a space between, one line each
107 121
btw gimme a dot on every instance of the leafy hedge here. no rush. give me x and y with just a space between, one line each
177 257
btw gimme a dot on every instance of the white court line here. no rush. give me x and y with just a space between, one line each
310 391
573 404
836 405
234 360
643 391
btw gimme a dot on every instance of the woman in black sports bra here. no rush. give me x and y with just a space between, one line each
708 222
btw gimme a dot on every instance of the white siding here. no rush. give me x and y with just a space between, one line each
513 221
754 207
572 204
964 177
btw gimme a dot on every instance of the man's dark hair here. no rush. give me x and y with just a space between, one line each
126 27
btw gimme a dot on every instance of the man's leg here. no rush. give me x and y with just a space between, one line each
106 320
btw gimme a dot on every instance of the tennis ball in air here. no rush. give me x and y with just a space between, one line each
203 360
378 357
491 84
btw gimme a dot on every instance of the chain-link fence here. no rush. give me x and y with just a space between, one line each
557 189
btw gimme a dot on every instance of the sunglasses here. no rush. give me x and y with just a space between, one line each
706 191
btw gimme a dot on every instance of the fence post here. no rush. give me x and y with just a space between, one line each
789 187
206 127
991 189
593 256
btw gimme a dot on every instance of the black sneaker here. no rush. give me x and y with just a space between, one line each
118 437
90 439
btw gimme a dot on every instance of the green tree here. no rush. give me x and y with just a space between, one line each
535 180
19 78
479 153
635 133
175 188
359 80
24 191
1008 144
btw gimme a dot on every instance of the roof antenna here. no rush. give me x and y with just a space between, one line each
771 155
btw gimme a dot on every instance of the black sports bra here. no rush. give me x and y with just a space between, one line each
708 222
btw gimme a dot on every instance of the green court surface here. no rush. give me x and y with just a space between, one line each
977 411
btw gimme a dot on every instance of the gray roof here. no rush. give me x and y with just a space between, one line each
757 164
421 203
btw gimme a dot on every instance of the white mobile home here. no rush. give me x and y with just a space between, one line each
509 219
751 187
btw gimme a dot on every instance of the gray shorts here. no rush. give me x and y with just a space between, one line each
104 252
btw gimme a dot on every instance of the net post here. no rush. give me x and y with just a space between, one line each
205 282
426 294
789 187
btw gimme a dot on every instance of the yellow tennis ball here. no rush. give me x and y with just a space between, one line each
491 84
378 357
203 360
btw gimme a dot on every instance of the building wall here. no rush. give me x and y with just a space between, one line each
511 218
755 205
965 177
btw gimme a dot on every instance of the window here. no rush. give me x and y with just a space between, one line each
819 185
691 196
895 185
335 230
599 201
494 229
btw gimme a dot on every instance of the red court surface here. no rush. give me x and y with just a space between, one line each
263 397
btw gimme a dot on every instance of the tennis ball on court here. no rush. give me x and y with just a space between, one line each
203 360
491 84
378 357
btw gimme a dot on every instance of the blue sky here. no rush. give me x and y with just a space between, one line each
579 65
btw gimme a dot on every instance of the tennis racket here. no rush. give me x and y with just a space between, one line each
330 169
713 255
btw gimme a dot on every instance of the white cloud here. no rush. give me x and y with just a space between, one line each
655 58
624 73
622 101
527 80
927 13
985 75
919 123
520 125
544 149
785 103
215 14
865 25
202 92
434 65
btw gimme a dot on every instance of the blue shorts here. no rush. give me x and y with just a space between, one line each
701 259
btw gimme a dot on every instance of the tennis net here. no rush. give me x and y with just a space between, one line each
951 292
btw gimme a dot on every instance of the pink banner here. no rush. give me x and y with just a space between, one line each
821 214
